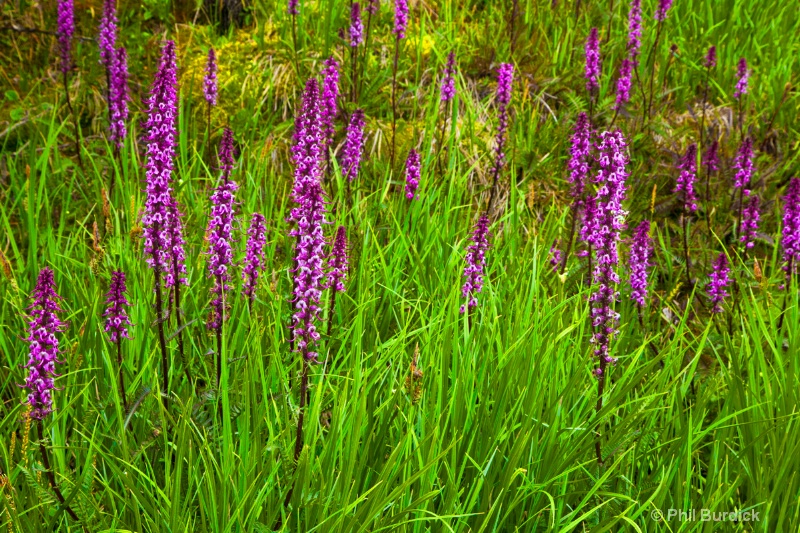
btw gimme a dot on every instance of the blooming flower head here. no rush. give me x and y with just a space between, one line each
635 30
592 68
356 26
176 252
663 8
685 183
118 98
505 78
116 314
330 93
476 261
578 165
610 220
790 235
555 255
448 80
160 138
744 77
43 344
373 6
720 279
400 18
412 173
750 218
711 157
744 165
639 262
66 29
338 261
220 228
293 7
353 146
254 256
624 84
210 79
107 33
710 60
309 216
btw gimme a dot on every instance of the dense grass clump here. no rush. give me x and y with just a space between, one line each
316 265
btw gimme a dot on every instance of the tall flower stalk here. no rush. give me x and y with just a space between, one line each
210 88
743 165
709 62
107 42
43 328
353 146
308 216
356 38
750 218
412 173
338 266
254 260
329 109
740 91
790 239
639 262
447 94
578 166
505 79
610 216
293 12
592 67
685 185
476 262
116 324
661 16
160 137
220 251
119 98
65 33
400 26
720 280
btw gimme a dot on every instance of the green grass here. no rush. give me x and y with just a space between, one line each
701 412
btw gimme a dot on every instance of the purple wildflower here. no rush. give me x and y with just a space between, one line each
330 93
578 164
719 281
744 77
624 83
744 166
356 25
412 173
309 215
400 18
476 261
711 157
750 218
161 135
639 262
610 221
373 6
43 344
505 79
220 226
116 314
663 8
710 60
66 29
635 30
175 250
790 237
589 226
555 255
592 69
293 7
210 79
118 98
353 146
338 262
448 80
107 34
685 183
254 257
